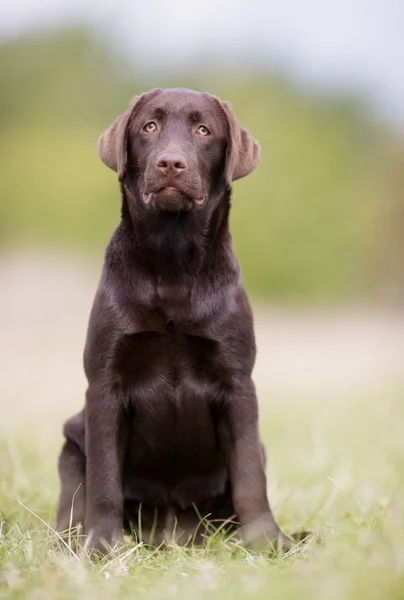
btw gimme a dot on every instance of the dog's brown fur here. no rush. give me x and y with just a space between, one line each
171 414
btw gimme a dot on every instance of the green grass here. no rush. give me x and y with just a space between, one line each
335 466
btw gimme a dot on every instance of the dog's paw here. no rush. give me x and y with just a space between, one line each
264 534
101 542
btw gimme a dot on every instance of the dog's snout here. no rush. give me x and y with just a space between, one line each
171 164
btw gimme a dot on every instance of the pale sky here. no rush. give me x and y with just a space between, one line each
348 43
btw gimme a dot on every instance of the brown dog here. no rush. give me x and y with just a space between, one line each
171 415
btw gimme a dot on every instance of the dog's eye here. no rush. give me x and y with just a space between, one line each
150 126
202 130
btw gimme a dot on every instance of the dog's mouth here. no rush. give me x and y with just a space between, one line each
171 199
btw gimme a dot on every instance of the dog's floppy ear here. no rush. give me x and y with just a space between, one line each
243 151
112 144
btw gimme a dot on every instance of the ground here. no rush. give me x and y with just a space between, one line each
331 388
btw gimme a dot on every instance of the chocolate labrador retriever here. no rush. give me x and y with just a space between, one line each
169 431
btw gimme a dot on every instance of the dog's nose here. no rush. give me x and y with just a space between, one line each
171 164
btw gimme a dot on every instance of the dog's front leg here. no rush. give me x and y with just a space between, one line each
246 462
105 449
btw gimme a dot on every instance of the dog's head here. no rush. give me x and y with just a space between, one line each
177 148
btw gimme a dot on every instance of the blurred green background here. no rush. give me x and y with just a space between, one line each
321 220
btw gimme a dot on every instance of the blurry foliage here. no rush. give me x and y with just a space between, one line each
307 224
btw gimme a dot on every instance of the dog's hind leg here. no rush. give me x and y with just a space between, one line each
72 473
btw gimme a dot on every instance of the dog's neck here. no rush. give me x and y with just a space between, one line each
172 246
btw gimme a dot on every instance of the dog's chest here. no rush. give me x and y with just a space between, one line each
172 307
170 381
174 302
167 358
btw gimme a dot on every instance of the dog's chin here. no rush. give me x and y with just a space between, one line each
170 199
